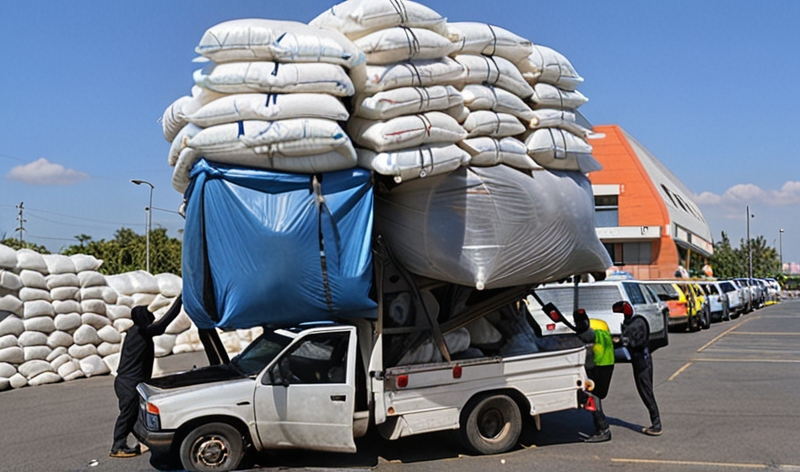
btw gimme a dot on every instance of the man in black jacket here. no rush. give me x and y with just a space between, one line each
636 337
136 365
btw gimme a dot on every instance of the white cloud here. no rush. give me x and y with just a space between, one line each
44 172
738 195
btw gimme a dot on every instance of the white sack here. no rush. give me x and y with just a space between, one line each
164 344
408 101
12 355
125 300
398 44
33 353
12 304
91 278
106 349
8 340
122 324
269 107
483 335
92 293
181 323
45 378
550 67
38 308
33 368
356 18
512 229
42 324
115 312
18 381
176 115
59 339
485 152
112 362
75 375
550 96
27 294
85 262
33 279
86 334
64 293
169 285
10 280
7 370
62 280
11 325
109 335
406 131
554 118
456 341
273 77
32 338
179 143
141 282
67 322
94 306
67 368
143 299
5 384
256 39
58 351
31 260
81 351
489 40
62 307
59 264
8 257
483 70
482 97
413 163
94 365
443 71
158 303
556 149
94 320
109 295
492 124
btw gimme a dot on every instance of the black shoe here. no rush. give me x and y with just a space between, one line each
599 436
652 431
125 451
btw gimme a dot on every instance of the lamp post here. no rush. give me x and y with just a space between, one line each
780 239
749 246
149 225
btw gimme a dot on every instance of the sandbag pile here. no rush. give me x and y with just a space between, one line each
61 319
270 98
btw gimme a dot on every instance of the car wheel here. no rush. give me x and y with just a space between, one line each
212 447
491 425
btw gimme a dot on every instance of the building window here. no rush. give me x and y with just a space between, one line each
606 211
639 253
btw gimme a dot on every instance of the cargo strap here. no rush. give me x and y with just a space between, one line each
319 199
209 300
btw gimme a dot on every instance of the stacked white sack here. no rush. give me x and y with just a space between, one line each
494 91
407 112
270 99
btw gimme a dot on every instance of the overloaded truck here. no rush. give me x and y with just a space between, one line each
437 357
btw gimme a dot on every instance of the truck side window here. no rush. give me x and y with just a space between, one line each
320 358
634 293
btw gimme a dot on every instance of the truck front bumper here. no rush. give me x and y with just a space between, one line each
159 442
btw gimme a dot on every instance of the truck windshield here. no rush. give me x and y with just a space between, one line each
259 353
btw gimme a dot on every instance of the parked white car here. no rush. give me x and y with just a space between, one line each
732 291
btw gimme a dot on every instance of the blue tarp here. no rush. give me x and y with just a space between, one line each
269 248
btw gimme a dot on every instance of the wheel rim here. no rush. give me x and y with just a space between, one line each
211 451
492 423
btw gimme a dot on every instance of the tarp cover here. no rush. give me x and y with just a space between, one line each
253 245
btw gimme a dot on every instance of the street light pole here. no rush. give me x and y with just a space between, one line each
780 239
749 246
149 222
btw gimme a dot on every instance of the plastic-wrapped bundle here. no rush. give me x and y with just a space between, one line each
269 248
406 131
357 18
489 40
444 71
409 100
416 162
487 70
482 97
485 151
404 44
493 227
554 148
268 107
550 67
275 77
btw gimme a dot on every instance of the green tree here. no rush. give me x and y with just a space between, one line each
15 244
729 262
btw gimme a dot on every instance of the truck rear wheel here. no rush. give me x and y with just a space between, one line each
212 447
492 425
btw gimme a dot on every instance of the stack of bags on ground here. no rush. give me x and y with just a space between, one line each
471 131
60 319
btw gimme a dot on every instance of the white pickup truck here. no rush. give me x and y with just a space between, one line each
430 362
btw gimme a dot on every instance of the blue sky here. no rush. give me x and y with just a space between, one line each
709 87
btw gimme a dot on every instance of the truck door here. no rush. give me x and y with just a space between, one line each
306 398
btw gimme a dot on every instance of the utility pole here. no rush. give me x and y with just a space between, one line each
749 247
20 221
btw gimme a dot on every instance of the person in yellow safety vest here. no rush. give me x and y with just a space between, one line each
599 368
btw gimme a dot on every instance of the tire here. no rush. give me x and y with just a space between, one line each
215 447
491 425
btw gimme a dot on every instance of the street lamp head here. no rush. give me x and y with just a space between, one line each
782 230
140 182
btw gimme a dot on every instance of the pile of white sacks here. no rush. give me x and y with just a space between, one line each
61 319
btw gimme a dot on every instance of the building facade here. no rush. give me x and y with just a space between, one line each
644 215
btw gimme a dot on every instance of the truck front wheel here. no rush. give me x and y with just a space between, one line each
492 425
212 447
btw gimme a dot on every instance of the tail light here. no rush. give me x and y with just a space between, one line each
623 307
152 418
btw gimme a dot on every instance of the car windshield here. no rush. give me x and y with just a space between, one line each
260 353
665 292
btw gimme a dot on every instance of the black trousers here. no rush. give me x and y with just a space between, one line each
128 411
642 364
601 375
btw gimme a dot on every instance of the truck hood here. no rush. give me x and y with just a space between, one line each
203 375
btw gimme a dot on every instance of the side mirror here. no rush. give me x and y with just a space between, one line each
622 307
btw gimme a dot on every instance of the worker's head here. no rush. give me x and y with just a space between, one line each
141 316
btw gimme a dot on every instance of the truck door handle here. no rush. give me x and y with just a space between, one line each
338 398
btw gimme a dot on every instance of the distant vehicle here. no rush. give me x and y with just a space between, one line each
717 300
774 289
598 298
675 299
733 294
745 293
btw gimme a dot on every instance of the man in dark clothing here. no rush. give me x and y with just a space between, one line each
136 365
636 337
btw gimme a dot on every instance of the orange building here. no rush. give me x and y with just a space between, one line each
644 215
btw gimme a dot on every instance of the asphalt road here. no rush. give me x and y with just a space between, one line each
728 398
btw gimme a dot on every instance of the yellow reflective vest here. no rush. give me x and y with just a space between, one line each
603 348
